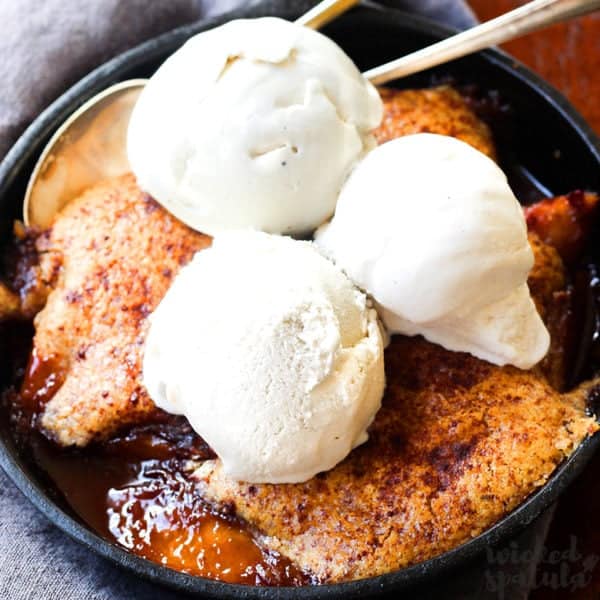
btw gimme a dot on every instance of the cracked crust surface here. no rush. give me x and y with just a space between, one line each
439 110
457 444
111 255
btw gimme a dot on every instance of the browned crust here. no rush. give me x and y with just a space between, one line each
457 444
112 255
554 301
439 110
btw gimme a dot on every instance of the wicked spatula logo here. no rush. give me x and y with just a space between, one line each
539 567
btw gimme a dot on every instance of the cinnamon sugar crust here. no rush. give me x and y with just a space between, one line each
111 255
457 444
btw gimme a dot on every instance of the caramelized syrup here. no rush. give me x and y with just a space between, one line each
42 380
137 491
137 488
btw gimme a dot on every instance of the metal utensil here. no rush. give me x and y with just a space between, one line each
525 19
325 11
88 147
91 144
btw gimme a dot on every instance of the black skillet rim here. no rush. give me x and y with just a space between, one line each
16 160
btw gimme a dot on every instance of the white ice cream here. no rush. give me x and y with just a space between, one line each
255 124
431 229
271 353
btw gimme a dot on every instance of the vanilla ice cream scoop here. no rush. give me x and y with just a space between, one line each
431 229
271 353
255 124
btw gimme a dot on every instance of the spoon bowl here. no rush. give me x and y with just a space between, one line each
88 147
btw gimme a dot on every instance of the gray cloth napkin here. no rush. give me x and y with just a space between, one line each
46 47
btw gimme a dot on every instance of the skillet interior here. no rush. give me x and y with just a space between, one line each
541 133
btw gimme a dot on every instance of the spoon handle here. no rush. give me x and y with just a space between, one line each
529 17
325 11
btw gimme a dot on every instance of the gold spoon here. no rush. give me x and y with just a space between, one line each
91 144
88 147
513 24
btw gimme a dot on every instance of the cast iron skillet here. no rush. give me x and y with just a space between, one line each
546 136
